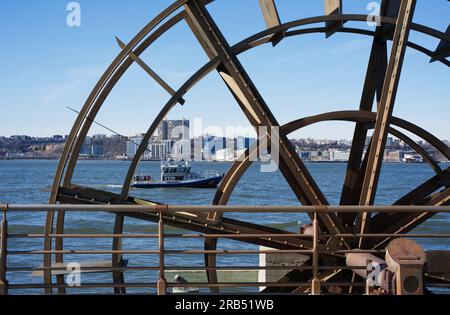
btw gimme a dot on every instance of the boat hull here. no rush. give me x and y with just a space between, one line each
210 182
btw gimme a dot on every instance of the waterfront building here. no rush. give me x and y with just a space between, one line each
174 130
339 156
324 155
99 137
244 143
157 151
116 137
227 154
393 156
20 138
412 158
133 145
211 145
304 155
181 150
390 142
92 150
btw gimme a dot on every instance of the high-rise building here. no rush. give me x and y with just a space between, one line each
390 142
99 137
339 156
244 143
92 150
160 150
212 144
174 130
133 145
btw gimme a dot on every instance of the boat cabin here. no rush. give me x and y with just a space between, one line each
171 170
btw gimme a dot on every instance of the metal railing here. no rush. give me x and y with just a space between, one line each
161 284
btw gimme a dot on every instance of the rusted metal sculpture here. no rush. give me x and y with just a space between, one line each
382 79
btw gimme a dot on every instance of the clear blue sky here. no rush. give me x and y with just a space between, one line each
46 65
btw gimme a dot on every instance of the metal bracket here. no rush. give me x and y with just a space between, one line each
272 19
406 259
443 49
3 250
149 71
389 8
333 7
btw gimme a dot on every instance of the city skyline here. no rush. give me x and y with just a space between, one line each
208 148
206 134
174 139
310 78
232 149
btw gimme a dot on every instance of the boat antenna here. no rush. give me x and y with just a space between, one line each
107 128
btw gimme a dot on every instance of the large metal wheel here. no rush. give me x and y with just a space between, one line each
362 175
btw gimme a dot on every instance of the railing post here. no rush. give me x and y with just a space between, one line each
162 282
3 251
315 284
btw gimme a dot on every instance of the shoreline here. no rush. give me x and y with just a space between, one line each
205 161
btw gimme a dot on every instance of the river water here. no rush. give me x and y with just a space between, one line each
28 181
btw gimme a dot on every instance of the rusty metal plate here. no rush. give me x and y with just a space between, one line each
438 261
333 7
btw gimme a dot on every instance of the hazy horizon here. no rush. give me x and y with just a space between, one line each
50 65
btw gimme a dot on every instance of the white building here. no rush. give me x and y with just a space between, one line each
412 158
227 154
132 145
339 156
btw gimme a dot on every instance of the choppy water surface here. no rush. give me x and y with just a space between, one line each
28 182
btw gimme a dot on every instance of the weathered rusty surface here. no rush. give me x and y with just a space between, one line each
373 86
333 7
443 49
199 222
3 250
272 19
384 113
359 187
150 72
406 259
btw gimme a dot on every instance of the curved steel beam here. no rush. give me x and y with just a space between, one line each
261 38
433 192
123 62
244 45
210 66
72 147
346 17
251 42
210 259
240 167
422 152
102 89
357 31
258 113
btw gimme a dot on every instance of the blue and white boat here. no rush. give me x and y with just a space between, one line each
178 174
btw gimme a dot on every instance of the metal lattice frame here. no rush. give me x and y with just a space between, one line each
360 184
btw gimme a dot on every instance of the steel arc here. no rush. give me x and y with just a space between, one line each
193 12
239 168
